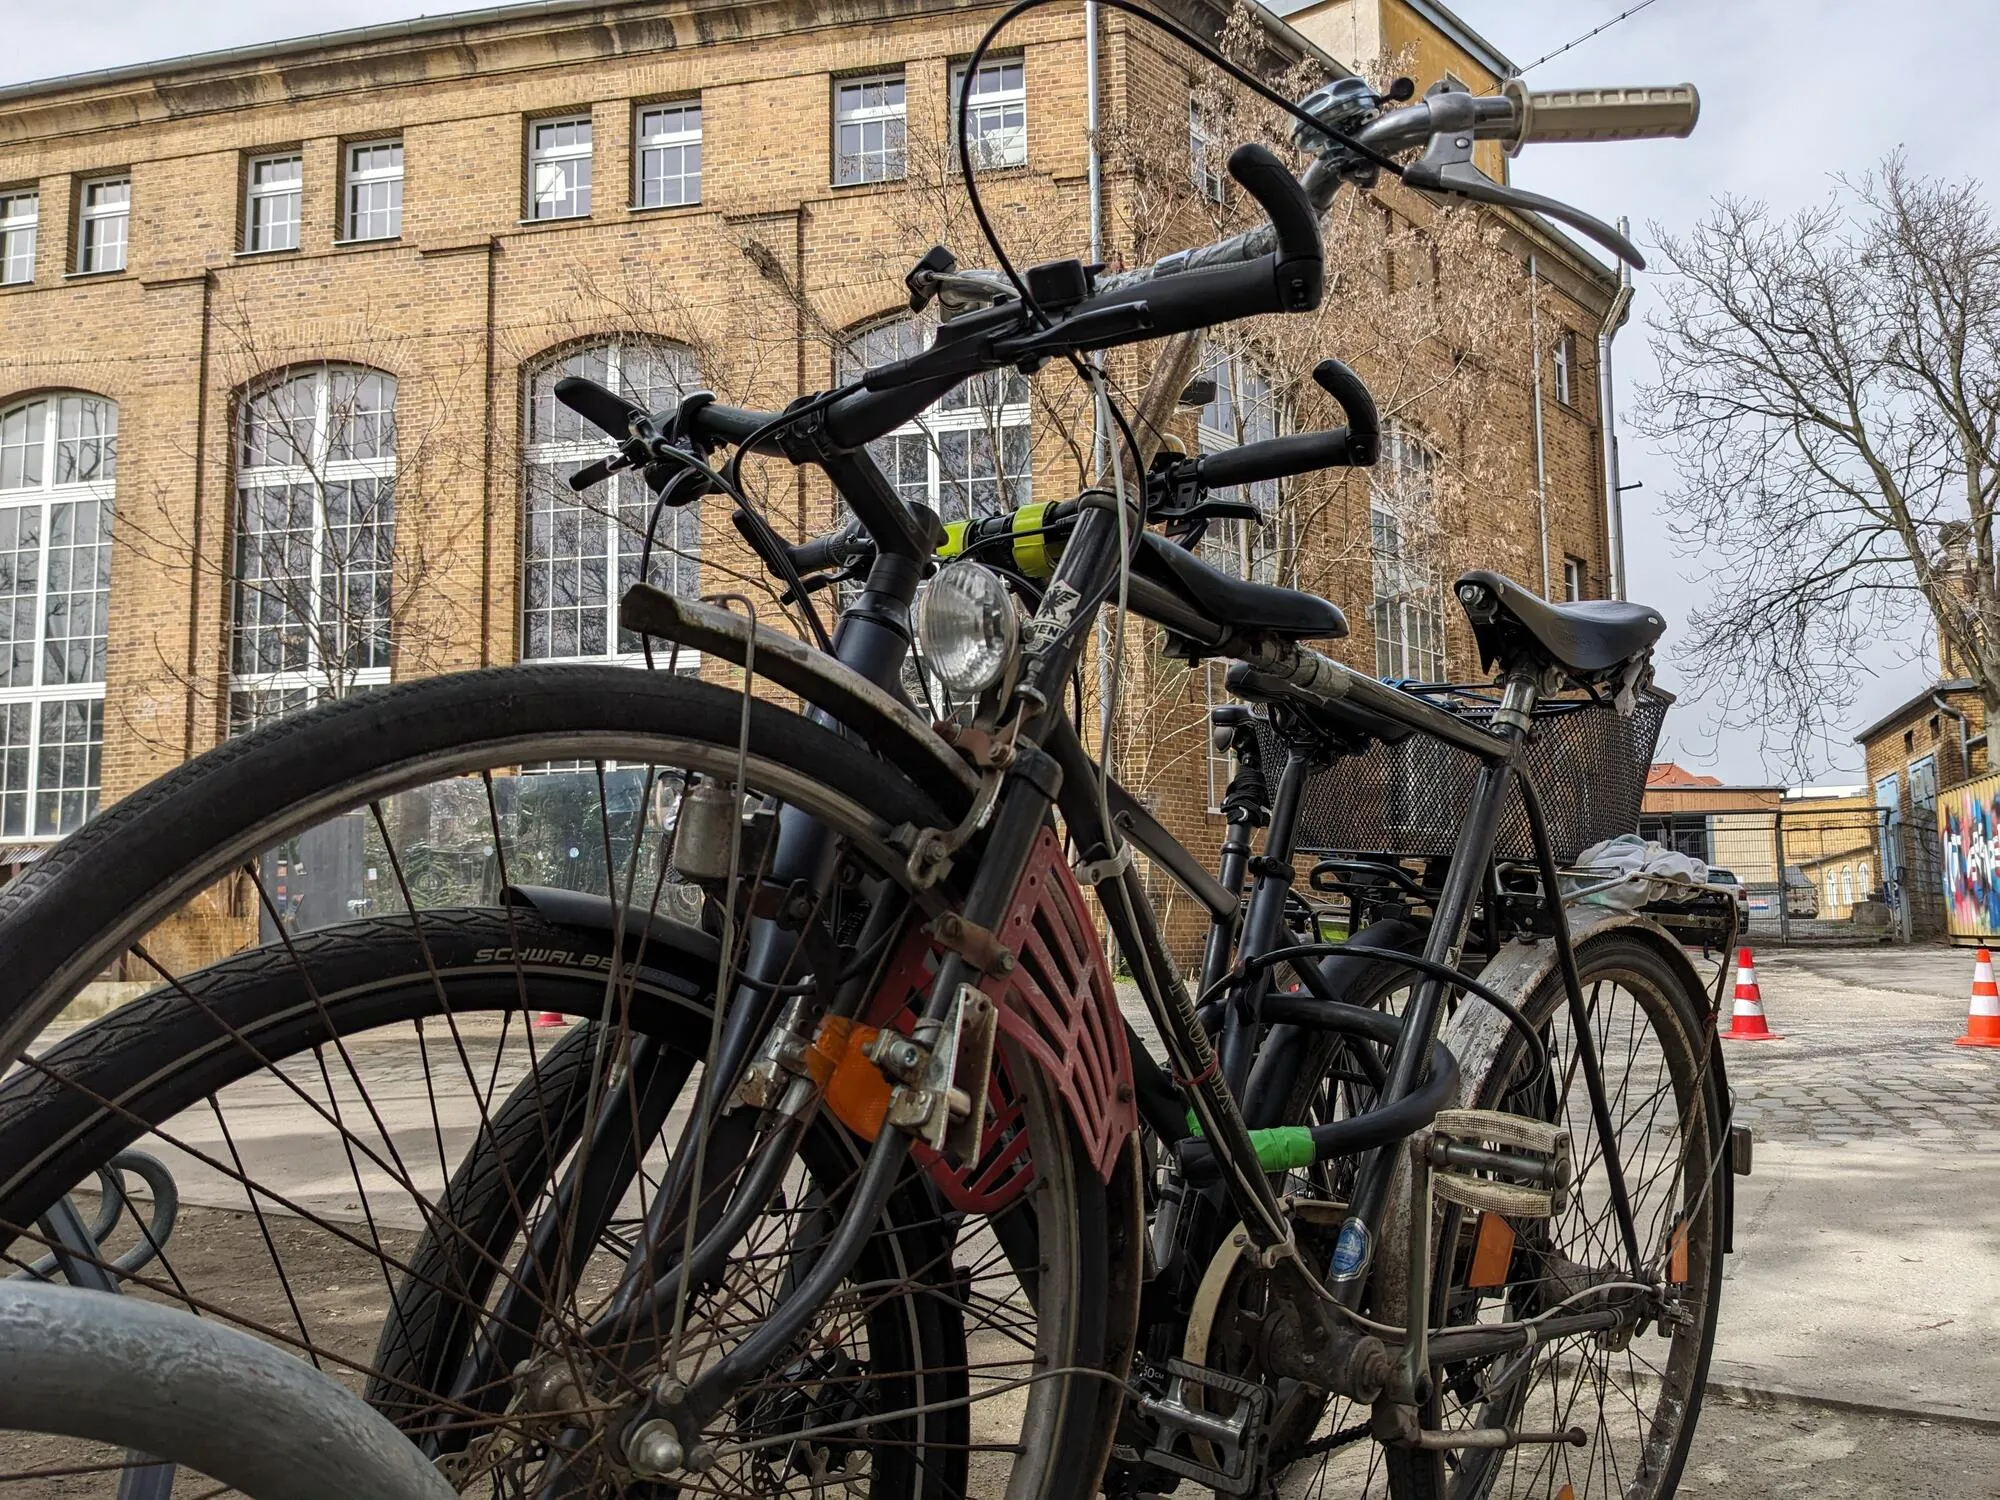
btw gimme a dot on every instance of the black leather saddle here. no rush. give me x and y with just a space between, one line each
1233 601
1592 640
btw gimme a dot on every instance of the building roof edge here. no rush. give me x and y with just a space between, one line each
1916 700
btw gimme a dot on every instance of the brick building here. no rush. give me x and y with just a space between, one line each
1932 741
278 328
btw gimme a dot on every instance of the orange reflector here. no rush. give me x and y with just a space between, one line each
856 1091
1492 1251
1677 1254
1565 1493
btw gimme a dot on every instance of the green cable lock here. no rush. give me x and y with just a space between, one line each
1280 1148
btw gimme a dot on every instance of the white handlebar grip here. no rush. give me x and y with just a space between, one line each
1628 114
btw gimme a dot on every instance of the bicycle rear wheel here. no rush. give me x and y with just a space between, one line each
1635 1392
370 1134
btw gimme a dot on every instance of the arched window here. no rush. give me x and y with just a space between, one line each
1862 883
315 540
1243 410
579 552
1847 885
1408 608
58 468
969 455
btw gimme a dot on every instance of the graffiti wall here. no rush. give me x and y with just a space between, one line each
1969 840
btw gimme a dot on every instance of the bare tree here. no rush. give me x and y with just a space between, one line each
1830 394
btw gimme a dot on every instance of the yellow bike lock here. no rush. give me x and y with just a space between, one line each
1031 552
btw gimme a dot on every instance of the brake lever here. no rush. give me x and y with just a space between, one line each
1447 167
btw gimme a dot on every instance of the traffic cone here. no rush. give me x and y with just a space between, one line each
1982 1022
550 1018
1746 1021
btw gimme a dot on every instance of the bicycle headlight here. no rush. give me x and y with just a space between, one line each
968 628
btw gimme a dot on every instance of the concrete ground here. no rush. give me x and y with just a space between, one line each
1868 1238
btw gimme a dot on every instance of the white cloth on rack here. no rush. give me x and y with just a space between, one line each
1627 872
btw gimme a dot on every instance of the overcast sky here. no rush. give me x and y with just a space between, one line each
1792 90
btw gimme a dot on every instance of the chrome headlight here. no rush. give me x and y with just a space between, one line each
968 628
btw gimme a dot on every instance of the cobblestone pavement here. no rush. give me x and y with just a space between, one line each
1867 1051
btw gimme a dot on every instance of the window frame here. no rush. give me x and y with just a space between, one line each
972 412
1575 578
13 224
560 456
1256 555
897 114
1414 596
255 193
40 694
88 215
535 157
644 145
1563 363
351 179
1208 177
316 471
1000 99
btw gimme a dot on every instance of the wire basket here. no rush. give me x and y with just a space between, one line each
1589 764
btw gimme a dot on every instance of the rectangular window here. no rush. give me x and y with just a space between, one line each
996 119
1565 366
869 123
1408 611
20 214
559 168
271 210
1572 578
1204 154
68 754
374 191
104 212
669 159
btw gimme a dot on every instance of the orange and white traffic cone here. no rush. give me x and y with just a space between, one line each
550 1018
1746 1021
1982 1022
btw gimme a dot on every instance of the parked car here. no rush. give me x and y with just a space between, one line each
1727 878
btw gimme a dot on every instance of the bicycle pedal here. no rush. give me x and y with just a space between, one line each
1236 1440
1522 1164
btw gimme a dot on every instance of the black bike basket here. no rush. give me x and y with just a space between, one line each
1589 763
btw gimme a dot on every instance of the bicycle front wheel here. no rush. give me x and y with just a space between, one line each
387 1170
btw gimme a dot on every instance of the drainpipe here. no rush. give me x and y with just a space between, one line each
1541 456
1607 407
1964 743
1090 125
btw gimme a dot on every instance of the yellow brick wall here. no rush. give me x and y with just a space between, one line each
470 289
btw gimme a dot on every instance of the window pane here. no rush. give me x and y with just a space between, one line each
20 215
23 435
67 761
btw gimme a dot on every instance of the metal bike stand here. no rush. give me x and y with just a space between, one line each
76 1255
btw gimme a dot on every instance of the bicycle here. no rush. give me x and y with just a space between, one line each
900 1242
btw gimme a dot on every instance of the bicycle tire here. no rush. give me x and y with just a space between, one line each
162 1054
1639 963
123 873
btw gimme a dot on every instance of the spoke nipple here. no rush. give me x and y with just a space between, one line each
654 1451
701 1458
668 1391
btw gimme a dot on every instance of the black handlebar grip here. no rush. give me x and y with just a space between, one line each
1275 458
599 407
1298 263
1364 423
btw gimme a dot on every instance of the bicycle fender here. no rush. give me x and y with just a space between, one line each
880 720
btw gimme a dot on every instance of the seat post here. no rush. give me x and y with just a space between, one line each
1517 703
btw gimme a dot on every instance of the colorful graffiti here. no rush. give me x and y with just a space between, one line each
1969 832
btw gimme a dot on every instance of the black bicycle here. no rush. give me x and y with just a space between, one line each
855 1180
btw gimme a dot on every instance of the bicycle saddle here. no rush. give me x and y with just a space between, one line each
1591 639
1285 613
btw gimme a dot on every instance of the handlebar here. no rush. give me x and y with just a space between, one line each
1357 444
1627 114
